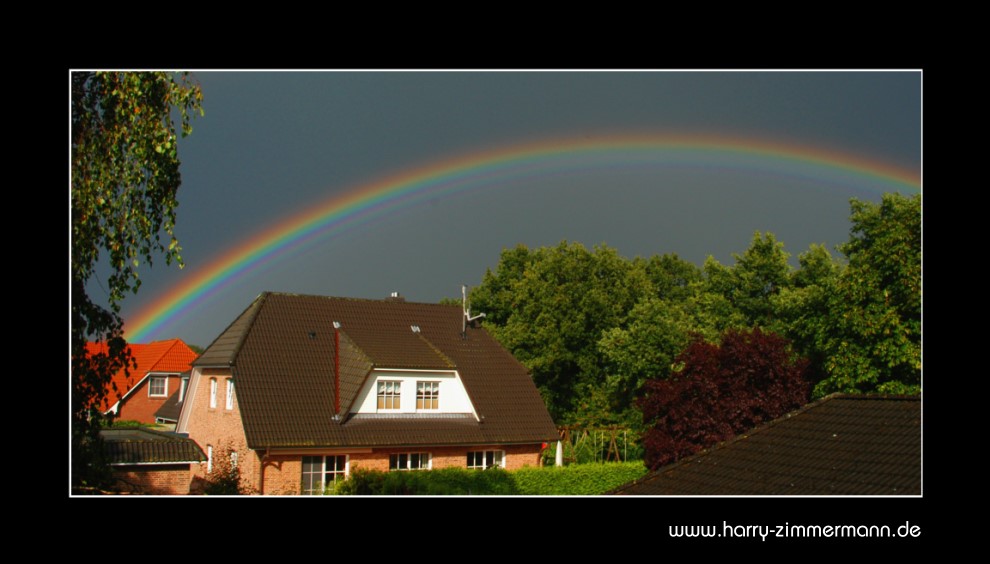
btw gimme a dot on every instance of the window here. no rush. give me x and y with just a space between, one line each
213 392
182 388
209 458
388 394
230 394
411 461
484 459
233 459
320 471
427 395
158 387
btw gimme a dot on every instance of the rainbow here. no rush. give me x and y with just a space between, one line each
491 167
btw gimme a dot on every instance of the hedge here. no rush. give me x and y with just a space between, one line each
576 479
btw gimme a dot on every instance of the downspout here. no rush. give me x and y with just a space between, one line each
261 474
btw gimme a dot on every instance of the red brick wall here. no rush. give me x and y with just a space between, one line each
170 479
283 474
220 427
139 407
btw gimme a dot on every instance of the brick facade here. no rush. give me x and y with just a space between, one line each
139 406
172 479
219 427
283 473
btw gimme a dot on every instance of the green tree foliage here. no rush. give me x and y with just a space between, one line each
800 308
593 327
759 274
869 332
657 331
125 174
550 306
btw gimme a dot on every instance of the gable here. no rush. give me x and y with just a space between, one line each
169 357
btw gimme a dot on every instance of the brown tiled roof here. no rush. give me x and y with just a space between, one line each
281 350
839 445
145 446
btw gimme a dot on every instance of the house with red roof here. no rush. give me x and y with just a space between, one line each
142 391
299 391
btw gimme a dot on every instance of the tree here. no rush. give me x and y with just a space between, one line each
758 275
549 308
870 332
656 332
124 178
720 390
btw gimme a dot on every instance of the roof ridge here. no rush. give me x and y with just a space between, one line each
353 299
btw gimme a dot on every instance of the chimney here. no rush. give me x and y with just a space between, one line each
395 297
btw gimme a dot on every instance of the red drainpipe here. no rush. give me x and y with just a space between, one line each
336 369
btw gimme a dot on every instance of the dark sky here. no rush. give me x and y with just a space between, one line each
273 144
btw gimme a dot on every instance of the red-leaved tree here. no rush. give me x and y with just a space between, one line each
721 390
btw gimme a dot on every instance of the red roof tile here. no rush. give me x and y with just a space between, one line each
171 356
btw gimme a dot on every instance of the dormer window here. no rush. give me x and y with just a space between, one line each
427 395
389 393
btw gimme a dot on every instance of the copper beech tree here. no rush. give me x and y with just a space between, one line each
719 390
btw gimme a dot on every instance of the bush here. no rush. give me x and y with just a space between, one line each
226 477
577 479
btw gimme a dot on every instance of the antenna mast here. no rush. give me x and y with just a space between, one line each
466 318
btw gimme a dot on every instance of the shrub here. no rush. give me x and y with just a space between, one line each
577 479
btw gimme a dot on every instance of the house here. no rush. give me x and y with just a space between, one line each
139 394
150 462
168 413
838 445
302 390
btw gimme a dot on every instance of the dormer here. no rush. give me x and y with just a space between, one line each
396 371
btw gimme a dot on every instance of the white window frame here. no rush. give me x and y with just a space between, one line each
323 473
213 393
183 382
427 391
403 461
151 386
229 404
209 459
387 390
497 456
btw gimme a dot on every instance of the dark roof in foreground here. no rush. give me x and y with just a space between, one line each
281 353
145 446
839 445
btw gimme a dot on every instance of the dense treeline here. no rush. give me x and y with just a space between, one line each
594 327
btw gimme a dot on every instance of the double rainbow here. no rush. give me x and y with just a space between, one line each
490 168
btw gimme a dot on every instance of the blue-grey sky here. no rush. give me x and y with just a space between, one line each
273 144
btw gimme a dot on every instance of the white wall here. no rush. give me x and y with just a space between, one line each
453 398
